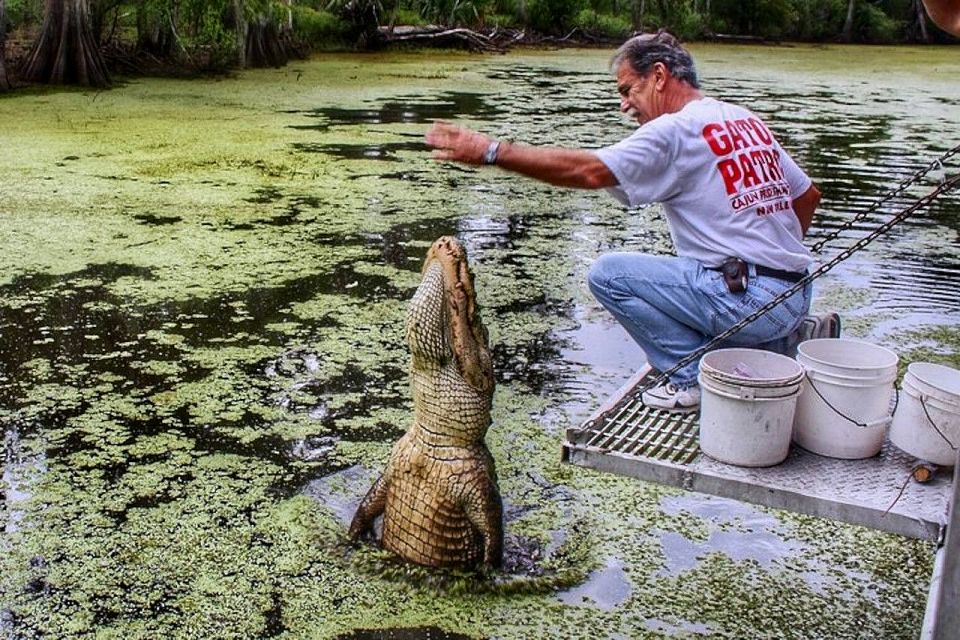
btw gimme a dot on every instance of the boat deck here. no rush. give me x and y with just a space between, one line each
628 438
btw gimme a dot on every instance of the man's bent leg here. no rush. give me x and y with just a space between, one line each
656 300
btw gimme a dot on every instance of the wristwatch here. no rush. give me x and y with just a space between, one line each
490 155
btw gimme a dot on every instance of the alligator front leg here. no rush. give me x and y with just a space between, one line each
370 508
484 510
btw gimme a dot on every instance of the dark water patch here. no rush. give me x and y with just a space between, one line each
414 109
383 151
273 626
605 588
546 76
265 195
384 388
508 232
413 176
405 245
73 318
301 202
531 363
155 220
932 287
408 633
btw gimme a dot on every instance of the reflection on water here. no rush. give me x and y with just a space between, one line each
407 110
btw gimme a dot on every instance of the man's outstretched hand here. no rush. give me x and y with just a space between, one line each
459 144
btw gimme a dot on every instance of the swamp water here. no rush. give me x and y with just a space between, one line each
202 367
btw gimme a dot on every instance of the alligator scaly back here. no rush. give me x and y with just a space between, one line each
438 495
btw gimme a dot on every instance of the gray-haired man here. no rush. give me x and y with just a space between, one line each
736 203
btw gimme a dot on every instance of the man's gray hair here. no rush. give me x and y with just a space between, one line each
643 51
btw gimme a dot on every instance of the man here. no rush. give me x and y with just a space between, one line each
736 204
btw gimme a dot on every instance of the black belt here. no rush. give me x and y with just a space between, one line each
789 276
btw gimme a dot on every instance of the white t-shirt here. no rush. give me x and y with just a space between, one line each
726 184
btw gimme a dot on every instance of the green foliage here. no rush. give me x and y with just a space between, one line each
450 12
767 18
871 24
505 20
410 17
604 24
204 31
819 19
21 12
552 16
318 28
688 24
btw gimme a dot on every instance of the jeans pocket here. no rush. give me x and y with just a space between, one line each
774 323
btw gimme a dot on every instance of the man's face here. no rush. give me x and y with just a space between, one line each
636 93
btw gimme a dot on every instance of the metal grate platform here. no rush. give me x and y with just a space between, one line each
628 438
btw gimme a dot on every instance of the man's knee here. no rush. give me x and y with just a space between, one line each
598 275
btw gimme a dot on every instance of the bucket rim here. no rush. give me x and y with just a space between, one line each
912 371
888 378
730 390
715 372
821 341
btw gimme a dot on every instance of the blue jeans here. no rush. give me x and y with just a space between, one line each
674 306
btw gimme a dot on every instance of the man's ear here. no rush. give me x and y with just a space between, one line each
660 74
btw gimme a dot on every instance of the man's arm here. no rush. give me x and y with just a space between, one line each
945 13
553 165
804 206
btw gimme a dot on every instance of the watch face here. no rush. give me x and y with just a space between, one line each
490 156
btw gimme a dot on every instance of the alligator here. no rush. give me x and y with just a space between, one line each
438 495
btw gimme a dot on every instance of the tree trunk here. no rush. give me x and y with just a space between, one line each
921 20
264 46
4 81
65 51
847 34
154 34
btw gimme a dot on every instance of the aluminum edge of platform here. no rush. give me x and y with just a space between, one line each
942 616
714 484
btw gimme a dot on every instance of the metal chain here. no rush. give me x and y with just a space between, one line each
903 186
943 187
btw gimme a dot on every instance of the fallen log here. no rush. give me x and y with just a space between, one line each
439 36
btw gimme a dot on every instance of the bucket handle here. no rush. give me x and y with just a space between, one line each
864 425
923 403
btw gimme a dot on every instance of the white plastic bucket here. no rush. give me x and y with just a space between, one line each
844 406
747 402
926 423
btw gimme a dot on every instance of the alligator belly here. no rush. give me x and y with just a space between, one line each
422 523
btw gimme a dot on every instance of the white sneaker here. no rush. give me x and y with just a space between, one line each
672 398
